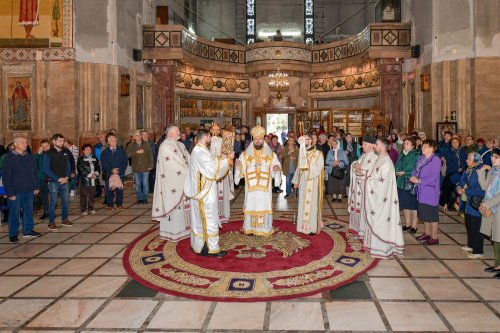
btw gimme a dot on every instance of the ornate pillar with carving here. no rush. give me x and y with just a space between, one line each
390 87
163 107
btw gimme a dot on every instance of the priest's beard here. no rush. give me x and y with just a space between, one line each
258 147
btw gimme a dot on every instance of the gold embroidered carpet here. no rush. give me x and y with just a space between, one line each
282 266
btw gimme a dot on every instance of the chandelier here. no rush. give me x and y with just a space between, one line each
278 83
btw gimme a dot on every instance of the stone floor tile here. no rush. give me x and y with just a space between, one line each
67 313
345 316
26 250
137 227
488 289
101 251
78 267
412 317
453 228
6 264
305 316
449 251
52 237
101 227
247 316
180 315
417 252
64 251
426 268
395 289
98 286
470 317
86 238
112 267
9 285
120 218
387 268
123 314
49 286
468 268
36 266
120 238
446 289
15 312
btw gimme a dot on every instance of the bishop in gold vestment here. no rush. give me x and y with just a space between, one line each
258 164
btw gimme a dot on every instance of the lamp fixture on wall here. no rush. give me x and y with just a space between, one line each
278 83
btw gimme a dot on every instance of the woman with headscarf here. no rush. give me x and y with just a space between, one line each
336 158
490 207
454 168
468 188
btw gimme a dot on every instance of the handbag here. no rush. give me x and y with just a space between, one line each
475 201
338 172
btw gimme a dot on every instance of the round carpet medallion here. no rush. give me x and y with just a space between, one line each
285 265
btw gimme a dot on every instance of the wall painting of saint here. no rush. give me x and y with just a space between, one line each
19 103
31 23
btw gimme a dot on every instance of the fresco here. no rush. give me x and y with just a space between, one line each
19 103
31 23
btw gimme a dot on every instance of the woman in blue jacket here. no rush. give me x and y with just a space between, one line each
336 157
454 159
469 187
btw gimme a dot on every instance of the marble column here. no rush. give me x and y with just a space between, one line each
464 101
163 95
86 91
390 75
40 95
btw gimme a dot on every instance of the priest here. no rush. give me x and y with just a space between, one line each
309 179
225 186
384 235
359 171
200 187
170 206
258 164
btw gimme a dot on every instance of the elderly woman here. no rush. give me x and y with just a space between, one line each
454 160
404 167
336 158
490 207
427 176
468 187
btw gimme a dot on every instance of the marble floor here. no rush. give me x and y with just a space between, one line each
72 280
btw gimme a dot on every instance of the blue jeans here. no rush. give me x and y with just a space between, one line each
56 188
141 185
23 201
289 183
109 195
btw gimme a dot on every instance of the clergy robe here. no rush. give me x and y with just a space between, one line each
384 235
201 188
357 220
311 182
225 186
257 169
170 205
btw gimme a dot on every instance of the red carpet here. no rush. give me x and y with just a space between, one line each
282 266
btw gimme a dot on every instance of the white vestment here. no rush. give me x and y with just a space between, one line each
201 188
225 187
257 169
384 235
170 205
357 220
311 183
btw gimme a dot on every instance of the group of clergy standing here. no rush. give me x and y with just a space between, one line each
193 191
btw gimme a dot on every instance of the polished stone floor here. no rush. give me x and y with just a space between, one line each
72 280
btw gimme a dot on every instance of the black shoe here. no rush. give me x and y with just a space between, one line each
334 200
413 231
138 202
13 240
218 255
32 234
496 276
287 196
492 269
312 234
405 228
339 200
145 201
44 216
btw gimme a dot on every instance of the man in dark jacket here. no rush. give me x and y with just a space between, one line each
114 160
20 180
44 190
58 164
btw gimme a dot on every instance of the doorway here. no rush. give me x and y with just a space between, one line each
277 123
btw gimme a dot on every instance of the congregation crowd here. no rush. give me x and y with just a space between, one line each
456 177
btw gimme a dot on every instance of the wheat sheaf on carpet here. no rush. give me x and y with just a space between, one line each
285 265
